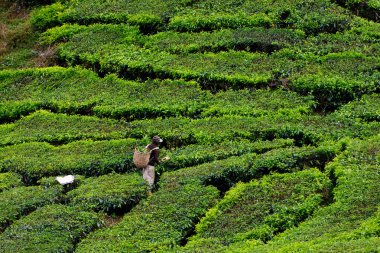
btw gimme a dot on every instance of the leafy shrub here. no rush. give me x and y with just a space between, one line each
109 192
264 207
252 39
43 126
367 108
22 200
258 103
47 16
53 228
56 89
191 23
36 160
331 92
60 34
9 180
356 199
165 218
192 155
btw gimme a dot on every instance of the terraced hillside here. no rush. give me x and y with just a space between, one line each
269 110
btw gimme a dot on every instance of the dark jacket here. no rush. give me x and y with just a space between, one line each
153 160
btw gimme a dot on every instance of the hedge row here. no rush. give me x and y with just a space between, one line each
333 79
352 220
253 39
20 201
265 207
53 228
303 129
165 219
43 126
9 180
196 23
255 166
109 193
364 8
192 155
312 16
115 98
362 38
57 89
367 108
213 71
58 14
36 160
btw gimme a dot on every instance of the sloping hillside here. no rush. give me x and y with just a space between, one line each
269 110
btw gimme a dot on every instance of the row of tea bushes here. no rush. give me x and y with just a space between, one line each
210 22
252 39
368 9
307 74
167 217
53 228
192 155
58 14
361 38
312 16
351 221
214 71
304 130
265 207
22 200
57 89
109 193
9 180
44 126
367 108
36 160
258 103
60 128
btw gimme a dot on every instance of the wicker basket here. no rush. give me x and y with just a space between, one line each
141 159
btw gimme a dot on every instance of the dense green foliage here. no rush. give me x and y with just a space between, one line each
51 228
38 159
9 180
269 112
264 207
109 192
22 200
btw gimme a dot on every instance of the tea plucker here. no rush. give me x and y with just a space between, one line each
149 170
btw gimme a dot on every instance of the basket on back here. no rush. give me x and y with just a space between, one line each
141 159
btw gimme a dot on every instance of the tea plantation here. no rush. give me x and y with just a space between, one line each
269 111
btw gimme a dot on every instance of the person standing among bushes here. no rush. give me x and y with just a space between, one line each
148 171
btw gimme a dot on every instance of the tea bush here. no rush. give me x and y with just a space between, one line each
342 223
36 160
192 155
50 228
195 23
9 180
23 200
43 126
252 39
367 108
166 218
110 192
264 207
